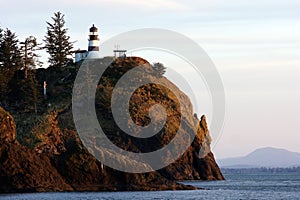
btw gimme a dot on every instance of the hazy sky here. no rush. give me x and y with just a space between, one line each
255 46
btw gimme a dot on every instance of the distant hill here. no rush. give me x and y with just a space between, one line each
263 157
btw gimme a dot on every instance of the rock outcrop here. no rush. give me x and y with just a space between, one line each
51 156
22 169
7 127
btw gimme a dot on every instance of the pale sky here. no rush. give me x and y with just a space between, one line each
254 45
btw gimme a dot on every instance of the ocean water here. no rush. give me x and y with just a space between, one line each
236 186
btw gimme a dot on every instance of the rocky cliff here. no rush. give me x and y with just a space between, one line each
46 154
22 169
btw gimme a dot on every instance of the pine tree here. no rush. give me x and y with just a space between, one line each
57 41
29 90
10 61
159 69
29 56
1 35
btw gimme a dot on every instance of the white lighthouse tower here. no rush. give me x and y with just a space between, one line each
93 48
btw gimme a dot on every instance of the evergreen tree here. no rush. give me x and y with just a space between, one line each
10 61
159 69
29 90
29 56
57 41
1 31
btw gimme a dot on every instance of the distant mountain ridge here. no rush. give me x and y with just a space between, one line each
263 157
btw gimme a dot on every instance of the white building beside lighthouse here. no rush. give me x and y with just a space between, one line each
93 47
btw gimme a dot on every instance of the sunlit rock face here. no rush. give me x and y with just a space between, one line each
52 157
7 126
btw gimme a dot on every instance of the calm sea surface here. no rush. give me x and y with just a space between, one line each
236 186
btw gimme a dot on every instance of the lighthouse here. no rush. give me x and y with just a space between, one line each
93 48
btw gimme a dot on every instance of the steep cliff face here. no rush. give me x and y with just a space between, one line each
52 139
198 162
48 167
22 169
